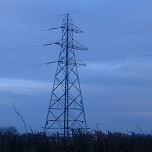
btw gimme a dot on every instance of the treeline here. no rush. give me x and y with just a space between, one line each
79 142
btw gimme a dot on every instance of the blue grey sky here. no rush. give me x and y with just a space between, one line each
116 83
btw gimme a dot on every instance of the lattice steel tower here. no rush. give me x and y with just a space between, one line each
66 110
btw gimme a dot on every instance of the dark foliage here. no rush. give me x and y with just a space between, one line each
80 142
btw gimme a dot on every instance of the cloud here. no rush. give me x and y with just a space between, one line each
19 86
124 70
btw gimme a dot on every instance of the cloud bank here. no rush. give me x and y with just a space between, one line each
20 86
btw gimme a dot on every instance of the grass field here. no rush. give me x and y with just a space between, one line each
80 142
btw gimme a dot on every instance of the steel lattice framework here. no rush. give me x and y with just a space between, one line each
66 110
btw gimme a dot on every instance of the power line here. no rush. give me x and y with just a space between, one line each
28 65
30 19
24 33
116 17
60 14
26 47
93 7
102 37
110 18
107 36
121 34
109 58
122 57
18 66
30 32
20 48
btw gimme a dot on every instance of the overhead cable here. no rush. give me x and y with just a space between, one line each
60 14
116 17
27 47
105 19
85 9
121 57
109 58
101 37
24 33
28 65
29 19
116 35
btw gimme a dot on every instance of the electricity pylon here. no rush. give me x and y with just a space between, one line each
66 110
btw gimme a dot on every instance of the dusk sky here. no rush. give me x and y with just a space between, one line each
116 82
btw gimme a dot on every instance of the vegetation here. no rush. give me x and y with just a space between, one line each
80 142
10 129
